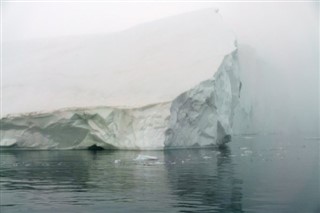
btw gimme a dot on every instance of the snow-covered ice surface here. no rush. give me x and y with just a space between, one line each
172 83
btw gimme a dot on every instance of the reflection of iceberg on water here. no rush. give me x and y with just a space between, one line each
209 182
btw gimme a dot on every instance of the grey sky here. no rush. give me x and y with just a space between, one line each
36 20
25 20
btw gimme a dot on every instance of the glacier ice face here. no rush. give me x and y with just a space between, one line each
110 128
203 116
200 117
172 93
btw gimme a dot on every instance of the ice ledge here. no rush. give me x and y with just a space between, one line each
199 117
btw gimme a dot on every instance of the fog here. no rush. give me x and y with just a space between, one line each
279 54
278 47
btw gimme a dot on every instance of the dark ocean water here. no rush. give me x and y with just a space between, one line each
254 174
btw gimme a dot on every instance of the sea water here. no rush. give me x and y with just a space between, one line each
270 173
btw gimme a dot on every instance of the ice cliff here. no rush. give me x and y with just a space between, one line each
172 83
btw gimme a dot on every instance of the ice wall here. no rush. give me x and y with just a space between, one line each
203 116
200 117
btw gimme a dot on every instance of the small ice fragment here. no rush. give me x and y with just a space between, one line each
248 137
6 142
206 157
246 153
158 163
145 157
117 161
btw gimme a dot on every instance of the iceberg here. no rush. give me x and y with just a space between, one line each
171 83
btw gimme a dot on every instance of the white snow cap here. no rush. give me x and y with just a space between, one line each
151 63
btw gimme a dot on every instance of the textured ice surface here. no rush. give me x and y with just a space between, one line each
172 83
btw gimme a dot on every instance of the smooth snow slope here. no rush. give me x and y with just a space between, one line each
168 83
148 64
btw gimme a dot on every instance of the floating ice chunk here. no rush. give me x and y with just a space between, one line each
158 163
206 157
117 161
246 153
244 148
6 142
248 137
145 158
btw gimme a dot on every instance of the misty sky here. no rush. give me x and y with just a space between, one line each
36 20
25 20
